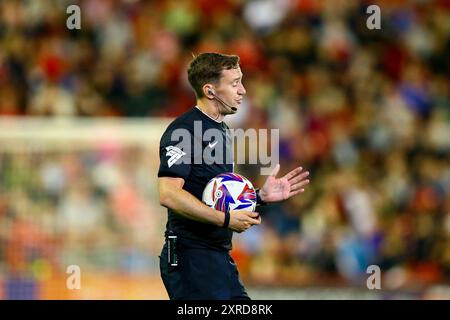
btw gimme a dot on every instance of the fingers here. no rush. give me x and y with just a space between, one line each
293 173
298 178
247 225
294 193
256 220
250 214
275 171
300 185
254 214
245 220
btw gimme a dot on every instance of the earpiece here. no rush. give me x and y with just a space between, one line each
211 92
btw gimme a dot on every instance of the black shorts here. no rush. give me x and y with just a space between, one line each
201 274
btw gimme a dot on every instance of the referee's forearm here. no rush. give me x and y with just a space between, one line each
190 207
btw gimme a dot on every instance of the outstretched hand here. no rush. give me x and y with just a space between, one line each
278 189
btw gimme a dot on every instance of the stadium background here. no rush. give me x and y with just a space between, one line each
365 111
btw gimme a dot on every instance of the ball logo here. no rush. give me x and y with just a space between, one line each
230 191
218 194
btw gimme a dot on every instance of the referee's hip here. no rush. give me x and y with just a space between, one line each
201 273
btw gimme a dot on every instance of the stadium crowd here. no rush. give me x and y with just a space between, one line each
366 111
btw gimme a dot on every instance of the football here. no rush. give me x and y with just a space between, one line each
230 191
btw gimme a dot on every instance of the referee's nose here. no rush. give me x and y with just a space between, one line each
241 90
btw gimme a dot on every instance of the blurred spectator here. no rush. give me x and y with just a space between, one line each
366 111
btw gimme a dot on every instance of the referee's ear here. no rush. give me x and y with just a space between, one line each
208 91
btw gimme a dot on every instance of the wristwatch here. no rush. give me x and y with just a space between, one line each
259 201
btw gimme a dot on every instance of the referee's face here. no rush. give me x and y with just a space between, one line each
231 90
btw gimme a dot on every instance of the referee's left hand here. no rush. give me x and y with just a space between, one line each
241 220
279 189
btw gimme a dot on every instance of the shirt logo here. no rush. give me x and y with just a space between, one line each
212 145
174 153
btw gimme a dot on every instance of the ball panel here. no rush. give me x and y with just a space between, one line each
230 191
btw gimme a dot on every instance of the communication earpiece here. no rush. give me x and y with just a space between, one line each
211 92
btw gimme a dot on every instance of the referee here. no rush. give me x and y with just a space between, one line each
195 262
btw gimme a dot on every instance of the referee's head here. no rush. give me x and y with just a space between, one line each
206 68
216 76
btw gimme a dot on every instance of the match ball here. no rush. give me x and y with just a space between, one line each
230 191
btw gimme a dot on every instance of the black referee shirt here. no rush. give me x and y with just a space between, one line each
196 148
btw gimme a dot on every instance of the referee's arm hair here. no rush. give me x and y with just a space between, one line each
173 196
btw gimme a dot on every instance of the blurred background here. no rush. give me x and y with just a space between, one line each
367 112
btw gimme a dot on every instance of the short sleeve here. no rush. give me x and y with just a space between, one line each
175 155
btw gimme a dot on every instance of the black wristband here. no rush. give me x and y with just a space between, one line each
259 201
226 222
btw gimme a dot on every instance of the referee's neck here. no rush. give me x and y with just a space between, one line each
210 109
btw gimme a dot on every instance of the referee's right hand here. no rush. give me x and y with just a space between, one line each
241 220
